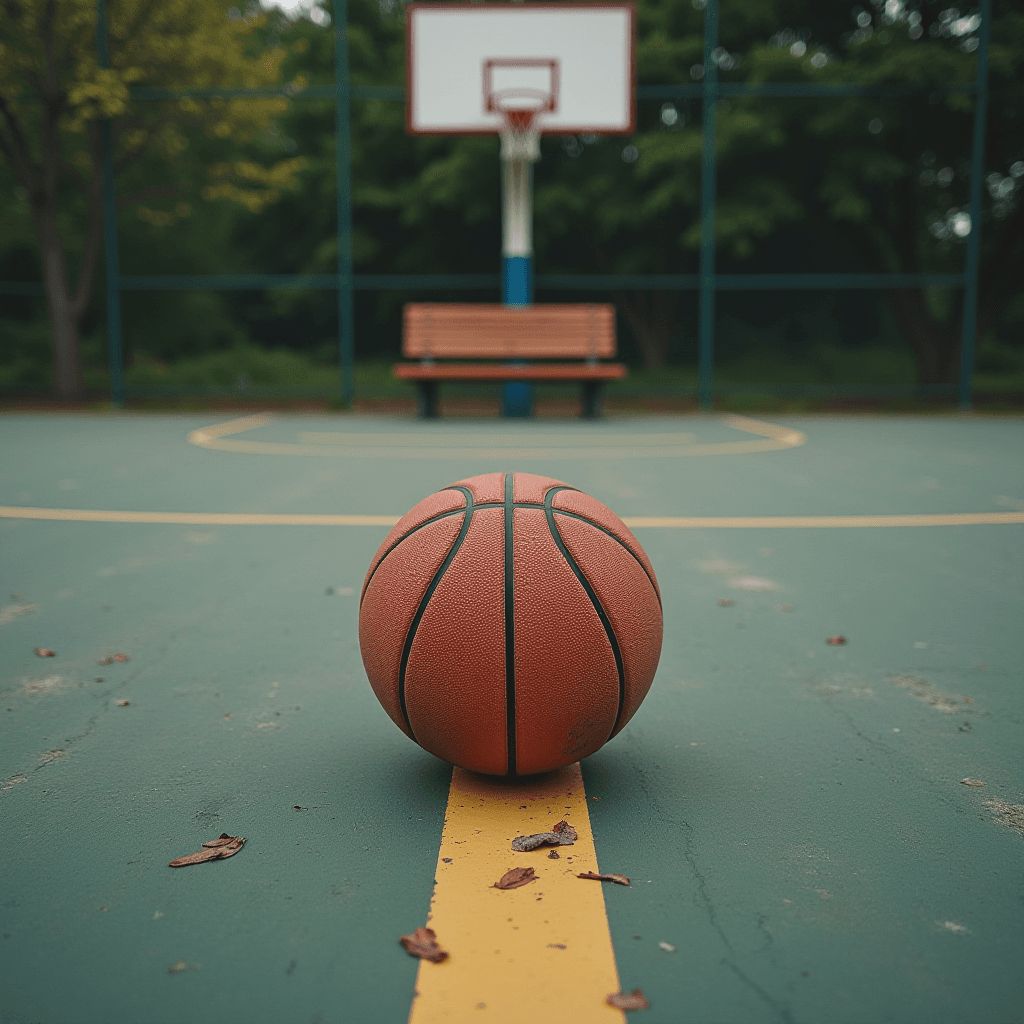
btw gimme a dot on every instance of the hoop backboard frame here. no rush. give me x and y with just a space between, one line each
614 95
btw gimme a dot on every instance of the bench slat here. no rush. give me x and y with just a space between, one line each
490 331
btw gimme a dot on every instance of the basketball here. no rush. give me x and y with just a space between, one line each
510 624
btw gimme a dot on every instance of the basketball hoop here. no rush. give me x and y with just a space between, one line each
520 137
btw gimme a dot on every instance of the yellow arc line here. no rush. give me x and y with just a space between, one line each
633 522
218 437
539 952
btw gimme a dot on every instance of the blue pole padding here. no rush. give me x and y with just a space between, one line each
518 281
517 290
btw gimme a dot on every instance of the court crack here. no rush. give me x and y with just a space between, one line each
702 898
782 1009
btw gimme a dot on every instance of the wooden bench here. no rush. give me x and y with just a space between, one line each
433 331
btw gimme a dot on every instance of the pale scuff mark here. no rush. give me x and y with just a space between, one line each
15 611
1012 815
923 690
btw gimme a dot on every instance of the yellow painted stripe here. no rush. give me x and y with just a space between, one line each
506 959
819 522
195 518
462 446
633 522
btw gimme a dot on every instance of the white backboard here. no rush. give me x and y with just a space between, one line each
570 63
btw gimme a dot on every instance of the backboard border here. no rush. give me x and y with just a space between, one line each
629 7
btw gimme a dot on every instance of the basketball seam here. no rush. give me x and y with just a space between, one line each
619 541
424 601
407 534
594 599
510 629
518 504
433 519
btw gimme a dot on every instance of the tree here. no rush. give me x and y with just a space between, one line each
54 94
888 177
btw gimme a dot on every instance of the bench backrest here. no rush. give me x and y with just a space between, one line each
455 330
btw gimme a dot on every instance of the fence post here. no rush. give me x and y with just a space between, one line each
113 270
705 369
343 156
969 328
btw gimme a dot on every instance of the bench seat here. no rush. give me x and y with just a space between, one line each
477 331
497 371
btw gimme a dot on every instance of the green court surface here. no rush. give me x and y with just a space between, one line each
791 813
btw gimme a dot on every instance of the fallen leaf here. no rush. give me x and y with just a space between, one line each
216 849
563 828
628 1000
514 878
121 703
447 860
45 652
725 602
563 834
836 641
972 782
556 945
618 879
423 943
111 658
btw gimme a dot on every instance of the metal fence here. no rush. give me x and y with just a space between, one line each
706 281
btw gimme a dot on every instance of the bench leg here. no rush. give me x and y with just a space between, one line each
517 399
592 400
427 400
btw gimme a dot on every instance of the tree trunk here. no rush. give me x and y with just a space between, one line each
934 344
64 318
651 317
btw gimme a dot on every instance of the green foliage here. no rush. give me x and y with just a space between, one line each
833 184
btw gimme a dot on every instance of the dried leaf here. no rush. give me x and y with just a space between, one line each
836 641
111 658
563 834
45 652
976 783
628 1000
618 879
216 849
121 703
515 877
423 943
564 829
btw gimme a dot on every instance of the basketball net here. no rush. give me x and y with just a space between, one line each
520 140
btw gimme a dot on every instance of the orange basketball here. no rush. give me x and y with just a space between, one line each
510 624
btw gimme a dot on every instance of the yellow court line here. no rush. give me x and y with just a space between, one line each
633 522
465 445
194 518
536 953
819 522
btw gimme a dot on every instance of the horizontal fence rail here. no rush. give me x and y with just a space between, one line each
707 282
